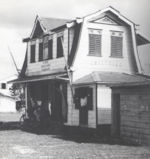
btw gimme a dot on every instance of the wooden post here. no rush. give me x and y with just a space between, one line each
26 98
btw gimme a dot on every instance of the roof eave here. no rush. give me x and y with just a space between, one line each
59 28
109 84
141 40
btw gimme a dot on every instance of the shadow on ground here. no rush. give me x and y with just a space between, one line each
76 134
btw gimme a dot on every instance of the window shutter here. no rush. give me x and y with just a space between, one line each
116 46
32 54
59 47
95 44
40 51
50 49
90 98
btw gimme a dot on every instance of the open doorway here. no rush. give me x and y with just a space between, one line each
115 129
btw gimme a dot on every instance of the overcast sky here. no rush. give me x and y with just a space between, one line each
17 18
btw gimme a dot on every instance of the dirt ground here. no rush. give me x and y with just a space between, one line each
17 144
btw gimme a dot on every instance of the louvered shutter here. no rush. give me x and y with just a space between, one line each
95 44
116 46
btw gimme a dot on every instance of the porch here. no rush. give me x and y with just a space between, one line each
46 101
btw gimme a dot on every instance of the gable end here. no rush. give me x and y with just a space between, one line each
105 20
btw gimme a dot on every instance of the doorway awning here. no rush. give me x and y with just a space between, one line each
28 79
113 79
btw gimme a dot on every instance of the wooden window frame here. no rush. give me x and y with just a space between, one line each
45 48
60 51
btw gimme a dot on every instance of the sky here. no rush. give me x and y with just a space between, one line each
17 19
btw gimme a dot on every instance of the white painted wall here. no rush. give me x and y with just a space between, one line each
85 64
103 97
7 104
104 104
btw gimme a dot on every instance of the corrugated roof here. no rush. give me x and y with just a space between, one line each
113 79
52 23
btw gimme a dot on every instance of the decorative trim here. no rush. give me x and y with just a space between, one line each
105 20
95 31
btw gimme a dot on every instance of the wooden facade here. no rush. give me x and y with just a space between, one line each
87 60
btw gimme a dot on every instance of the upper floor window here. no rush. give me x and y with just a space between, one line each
60 50
116 44
50 49
45 48
32 59
40 51
95 42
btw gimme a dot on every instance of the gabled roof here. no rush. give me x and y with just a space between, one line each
52 23
113 79
124 20
47 24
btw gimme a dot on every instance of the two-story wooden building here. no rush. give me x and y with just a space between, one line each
87 72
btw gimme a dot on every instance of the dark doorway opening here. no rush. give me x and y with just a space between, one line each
115 115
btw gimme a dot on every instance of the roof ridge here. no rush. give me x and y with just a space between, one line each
54 18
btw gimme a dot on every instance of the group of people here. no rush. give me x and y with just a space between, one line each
34 110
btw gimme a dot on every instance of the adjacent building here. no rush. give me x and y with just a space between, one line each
7 102
87 72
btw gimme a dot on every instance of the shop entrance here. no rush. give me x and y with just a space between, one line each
115 115
59 102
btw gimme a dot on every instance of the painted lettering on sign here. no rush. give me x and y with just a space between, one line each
106 63
45 66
